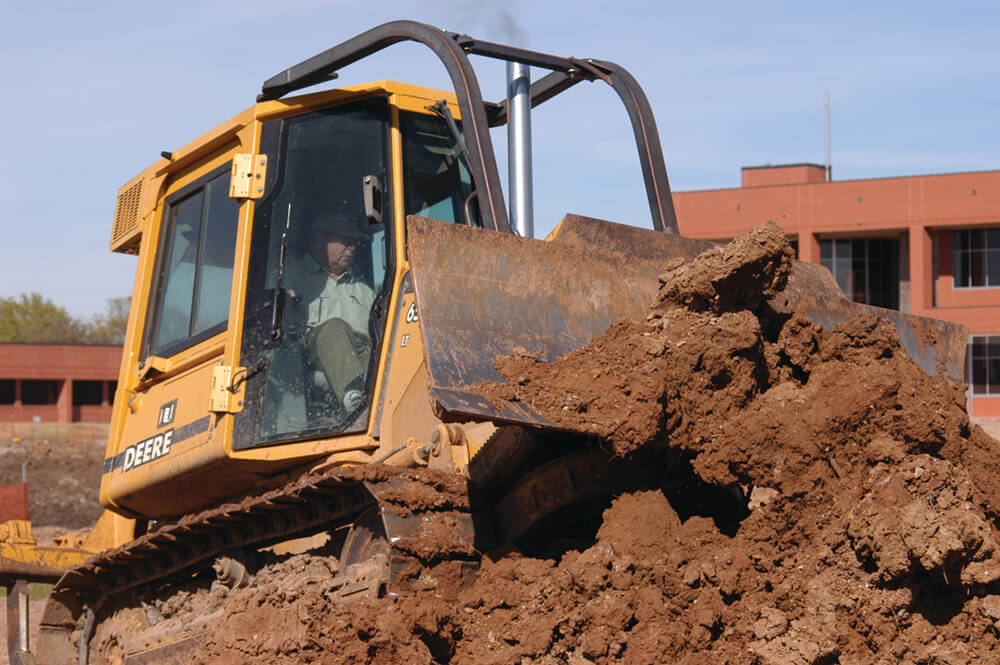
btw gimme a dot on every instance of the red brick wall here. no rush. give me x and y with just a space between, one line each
16 413
59 361
848 207
794 174
63 363
92 413
984 407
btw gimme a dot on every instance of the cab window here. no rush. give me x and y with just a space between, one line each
195 266
438 183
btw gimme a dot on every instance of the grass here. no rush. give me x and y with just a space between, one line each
36 591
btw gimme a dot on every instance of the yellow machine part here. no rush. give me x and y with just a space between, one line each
22 558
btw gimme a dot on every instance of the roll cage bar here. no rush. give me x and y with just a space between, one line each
478 116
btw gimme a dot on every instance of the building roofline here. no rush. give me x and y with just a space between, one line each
84 346
835 182
781 166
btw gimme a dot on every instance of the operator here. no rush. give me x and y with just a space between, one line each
328 307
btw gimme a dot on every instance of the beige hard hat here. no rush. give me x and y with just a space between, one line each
341 223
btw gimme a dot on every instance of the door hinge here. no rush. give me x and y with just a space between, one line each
248 177
225 395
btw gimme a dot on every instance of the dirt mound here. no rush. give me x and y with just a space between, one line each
63 478
872 537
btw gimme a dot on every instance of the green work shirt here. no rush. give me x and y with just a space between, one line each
315 297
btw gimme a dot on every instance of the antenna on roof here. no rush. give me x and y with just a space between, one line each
826 115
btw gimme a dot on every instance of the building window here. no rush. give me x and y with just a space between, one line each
39 392
985 365
87 393
866 269
7 393
977 258
835 255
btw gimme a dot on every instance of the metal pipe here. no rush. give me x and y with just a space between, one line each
83 651
519 148
22 624
17 619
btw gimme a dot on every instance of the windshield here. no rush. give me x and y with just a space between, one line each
438 184
318 268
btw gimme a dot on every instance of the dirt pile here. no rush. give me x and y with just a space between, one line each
872 537
63 479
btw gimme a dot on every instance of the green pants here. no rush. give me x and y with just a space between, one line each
340 352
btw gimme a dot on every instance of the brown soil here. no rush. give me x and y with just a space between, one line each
872 537
63 479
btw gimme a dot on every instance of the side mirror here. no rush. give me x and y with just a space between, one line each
373 199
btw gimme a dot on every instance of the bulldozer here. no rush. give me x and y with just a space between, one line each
321 281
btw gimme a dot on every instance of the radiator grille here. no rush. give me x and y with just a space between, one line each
126 232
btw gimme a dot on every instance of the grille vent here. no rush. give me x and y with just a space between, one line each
127 229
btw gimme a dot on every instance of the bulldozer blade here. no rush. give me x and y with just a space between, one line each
482 295
939 347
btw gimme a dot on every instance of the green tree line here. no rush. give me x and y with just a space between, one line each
34 319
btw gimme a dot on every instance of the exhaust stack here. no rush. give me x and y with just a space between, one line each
519 149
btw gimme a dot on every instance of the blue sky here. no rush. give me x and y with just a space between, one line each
94 91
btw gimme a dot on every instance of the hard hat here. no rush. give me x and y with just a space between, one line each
341 223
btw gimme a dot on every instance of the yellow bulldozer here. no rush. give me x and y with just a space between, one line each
320 280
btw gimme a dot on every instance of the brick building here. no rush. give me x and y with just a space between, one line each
927 244
57 382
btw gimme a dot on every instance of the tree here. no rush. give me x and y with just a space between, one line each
109 328
34 318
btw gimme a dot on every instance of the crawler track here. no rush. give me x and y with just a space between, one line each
425 514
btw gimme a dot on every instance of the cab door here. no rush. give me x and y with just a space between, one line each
328 162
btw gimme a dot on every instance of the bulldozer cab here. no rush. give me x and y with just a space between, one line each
268 309
314 339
